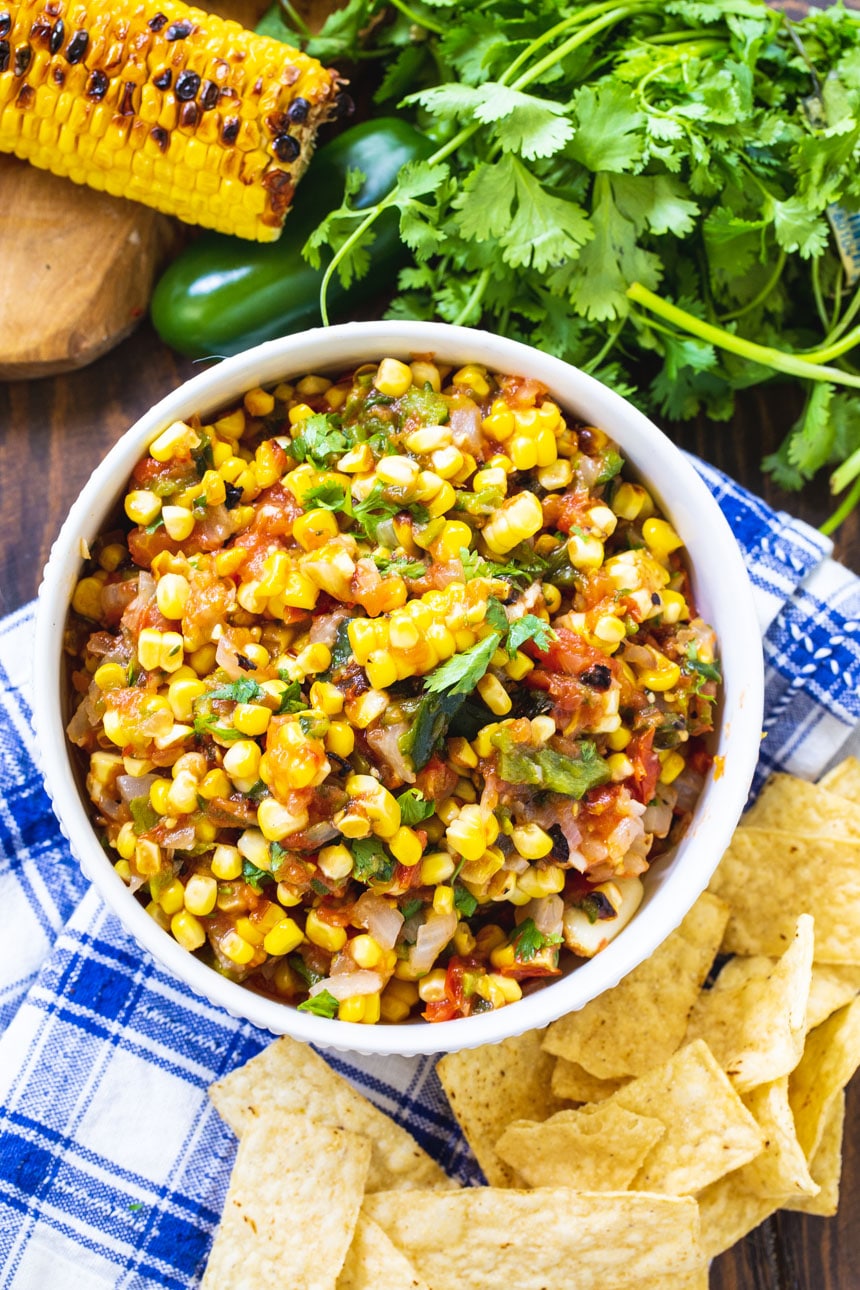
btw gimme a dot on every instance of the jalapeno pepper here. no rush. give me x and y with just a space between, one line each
222 294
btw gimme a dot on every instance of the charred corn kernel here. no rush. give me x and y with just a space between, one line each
226 862
442 502
379 805
158 791
454 537
353 824
214 489
112 556
340 739
315 529
381 669
242 760
190 763
603 519
142 506
660 538
532 842
673 607
236 948
231 468
187 930
672 767
110 676
171 595
400 471
461 754
518 666
494 694
259 403
126 841
326 935
556 475
277 821
620 767
428 439
664 675
609 629
443 900
178 522
182 795
537 882
518 518
335 862
283 938
215 784
523 451
471 377
366 951
405 846
364 710
200 894
446 462
618 739
392 378
357 461
490 477
431 988
326 697
300 592
632 501
256 654
351 1009
585 551
251 718
436 868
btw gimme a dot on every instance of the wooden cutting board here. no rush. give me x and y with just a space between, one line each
77 266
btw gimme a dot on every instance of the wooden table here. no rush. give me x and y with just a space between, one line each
56 430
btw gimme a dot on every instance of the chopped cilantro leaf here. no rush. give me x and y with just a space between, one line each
254 876
402 565
321 1005
155 525
529 628
300 967
462 672
411 908
496 616
207 724
291 699
245 690
414 807
328 496
319 438
528 941
371 862
143 814
464 902
707 671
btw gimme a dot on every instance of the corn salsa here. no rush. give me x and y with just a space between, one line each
389 689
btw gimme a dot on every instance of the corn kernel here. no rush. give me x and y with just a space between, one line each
142 506
112 556
126 841
259 403
494 694
178 522
351 1009
471 377
518 518
251 718
315 529
660 538
172 898
242 760
531 841
335 862
283 938
665 675
364 710
537 882
200 894
523 452
237 949
518 666
400 471
326 935
366 951
431 988
314 658
182 795
381 669
187 930
436 868
455 536
443 900
340 739
405 846
672 767
610 629
233 425
428 439
110 676
392 378
632 501
226 862
442 502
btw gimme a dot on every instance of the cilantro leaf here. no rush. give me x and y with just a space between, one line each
401 565
328 496
321 1005
462 672
414 807
528 941
529 628
319 438
411 908
464 902
371 862
143 814
610 128
254 876
245 690
496 616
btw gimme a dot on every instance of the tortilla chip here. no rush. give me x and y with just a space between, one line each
600 1148
373 1262
769 878
291 1177
727 1212
806 810
709 1131
753 1018
641 1022
780 1170
830 1058
843 779
833 985
576 1084
826 1165
491 1086
290 1076
486 1237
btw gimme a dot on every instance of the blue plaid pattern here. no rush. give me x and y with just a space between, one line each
113 1166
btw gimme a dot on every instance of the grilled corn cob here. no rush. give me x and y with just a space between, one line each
168 105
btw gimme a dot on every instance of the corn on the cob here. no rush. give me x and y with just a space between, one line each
161 103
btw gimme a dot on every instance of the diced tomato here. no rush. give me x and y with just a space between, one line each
143 547
454 1004
437 780
646 765
571 654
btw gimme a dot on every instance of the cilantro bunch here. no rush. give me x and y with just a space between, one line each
643 188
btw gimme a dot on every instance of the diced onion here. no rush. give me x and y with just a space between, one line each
377 916
432 938
134 786
346 984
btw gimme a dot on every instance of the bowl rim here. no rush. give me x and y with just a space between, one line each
709 542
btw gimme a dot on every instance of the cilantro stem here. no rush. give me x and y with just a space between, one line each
426 23
573 42
761 295
844 474
296 19
575 20
475 297
765 355
847 506
614 332
817 294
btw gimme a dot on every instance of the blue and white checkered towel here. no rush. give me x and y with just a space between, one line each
113 1166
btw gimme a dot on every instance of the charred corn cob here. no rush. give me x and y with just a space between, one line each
161 103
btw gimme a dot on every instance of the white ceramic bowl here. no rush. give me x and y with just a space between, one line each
723 595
